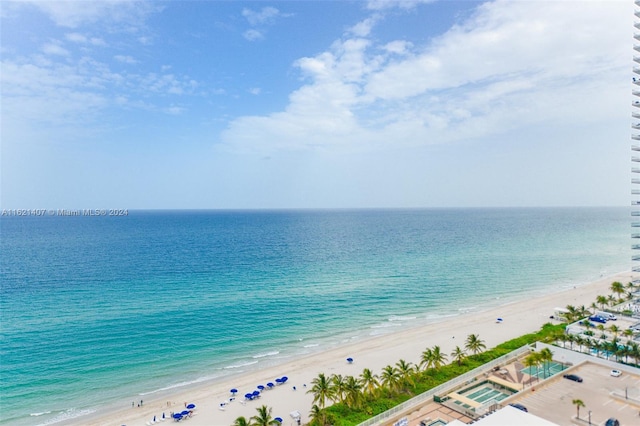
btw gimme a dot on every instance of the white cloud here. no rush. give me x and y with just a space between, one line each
73 14
253 35
76 37
255 90
125 59
83 39
510 64
393 4
40 90
54 48
363 28
399 47
265 16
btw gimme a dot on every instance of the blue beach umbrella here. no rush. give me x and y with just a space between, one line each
349 360
278 380
234 391
177 415
278 419
260 387
191 406
270 385
256 393
284 379
248 395
185 413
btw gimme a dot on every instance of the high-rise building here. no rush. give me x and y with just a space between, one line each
635 146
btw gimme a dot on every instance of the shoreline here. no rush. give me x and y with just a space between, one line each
374 352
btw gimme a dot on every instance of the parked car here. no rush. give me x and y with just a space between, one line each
573 377
520 407
616 373
598 318
612 422
607 315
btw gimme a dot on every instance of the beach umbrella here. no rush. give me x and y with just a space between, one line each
234 391
270 385
260 387
177 415
248 395
278 380
284 379
499 320
185 413
154 419
191 406
349 360
278 419
256 393
163 414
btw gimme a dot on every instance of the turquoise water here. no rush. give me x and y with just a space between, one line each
545 371
100 310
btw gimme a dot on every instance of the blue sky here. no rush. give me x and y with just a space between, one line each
315 104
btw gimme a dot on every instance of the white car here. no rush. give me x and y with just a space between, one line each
616 373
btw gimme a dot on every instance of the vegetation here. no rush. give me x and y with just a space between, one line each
263 418
356 399
578 403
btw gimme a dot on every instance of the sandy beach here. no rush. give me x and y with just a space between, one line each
375 353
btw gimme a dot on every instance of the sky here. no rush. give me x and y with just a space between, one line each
315 104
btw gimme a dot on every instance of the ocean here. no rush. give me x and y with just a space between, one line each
98 311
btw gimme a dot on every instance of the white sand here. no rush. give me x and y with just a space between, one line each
375 353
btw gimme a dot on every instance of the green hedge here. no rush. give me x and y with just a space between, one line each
341 415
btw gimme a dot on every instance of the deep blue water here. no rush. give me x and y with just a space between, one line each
98 310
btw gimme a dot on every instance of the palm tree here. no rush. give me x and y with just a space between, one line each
353 392
426 358
571 338
338 387
241 421
583 311
369 382
433 358
263 418
529 362
617 288
438 358
546 356
615 330
578 403
594 306
405 370
634 352
602 300
474 344
458 355
564 339
595 344
628 333
321 390
317 415
390 378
